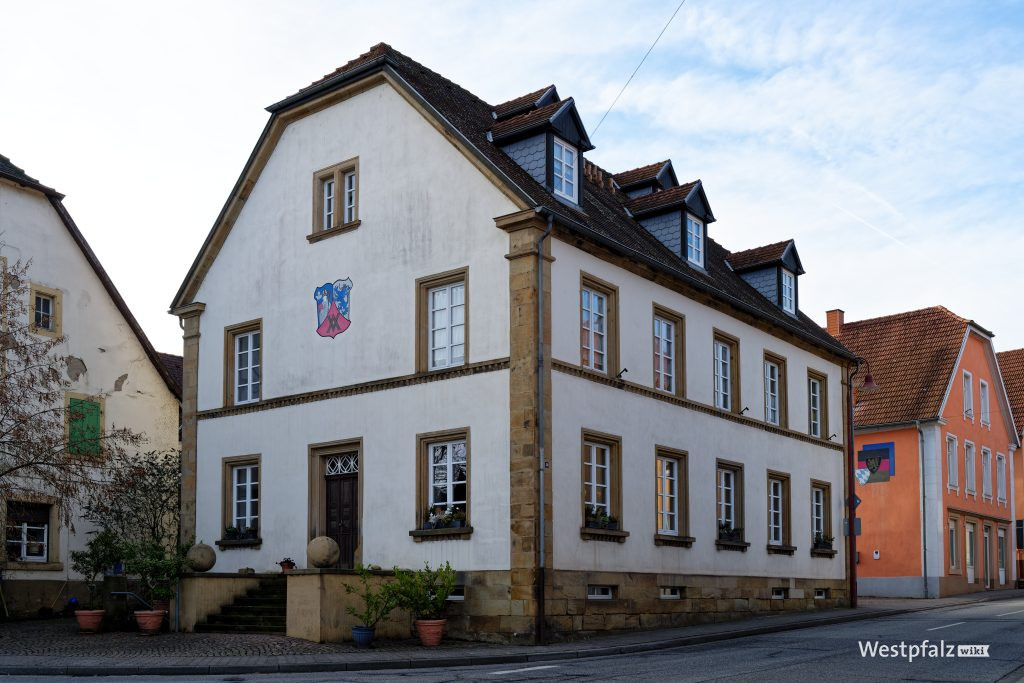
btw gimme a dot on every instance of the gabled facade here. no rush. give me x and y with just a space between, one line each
626 438
935 447
117 378
1011 366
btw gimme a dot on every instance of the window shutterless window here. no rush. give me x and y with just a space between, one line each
986 472
601 475
775 512
730 500
818 511
726 372
969 473
952 463
668 351
670 493
447 321
335 199
443 471
563 171
243 363
694 241
968 396
1001 477
27 534
983 393
788 291
45 311
775 394
952 544
598 320
817 405
245 496
600 592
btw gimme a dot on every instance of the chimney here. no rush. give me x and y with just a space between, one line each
835 321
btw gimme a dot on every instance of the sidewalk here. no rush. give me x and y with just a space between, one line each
56 648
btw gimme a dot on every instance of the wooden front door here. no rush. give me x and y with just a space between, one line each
342 490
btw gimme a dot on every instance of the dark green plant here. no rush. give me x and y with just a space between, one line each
378 603
157 568
425 592
103 551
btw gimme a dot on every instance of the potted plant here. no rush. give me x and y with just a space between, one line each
231 533
101 552
727 532
377 604
158 569
425 593
822 541
250 533
610 522
592 516
287 564
459 518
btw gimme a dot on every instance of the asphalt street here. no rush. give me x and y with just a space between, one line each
832 652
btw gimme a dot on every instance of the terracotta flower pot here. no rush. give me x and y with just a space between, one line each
430 631
162 605
89 620
149 620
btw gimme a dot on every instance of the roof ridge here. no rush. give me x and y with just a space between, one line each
763 246
906 314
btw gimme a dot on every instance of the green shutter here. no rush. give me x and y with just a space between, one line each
84 428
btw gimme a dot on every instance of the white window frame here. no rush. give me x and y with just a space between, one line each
970 477
593 309
986 473
788 291
447 466
243 493
1000 477
664 354
986 418
727 496
667 495
328 189
694 240
670 593
600 592
952 463
776 511
453 324
597 458
49 315
349 207
254 362
818 502
569 175
953 541
968 396
723 375
772 377
814 401
23 543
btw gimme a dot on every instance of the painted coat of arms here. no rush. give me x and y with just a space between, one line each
332 304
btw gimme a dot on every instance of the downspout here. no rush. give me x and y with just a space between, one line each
924 503
541 427
851 509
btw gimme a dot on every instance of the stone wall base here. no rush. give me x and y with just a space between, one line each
36 597
318 602
205 594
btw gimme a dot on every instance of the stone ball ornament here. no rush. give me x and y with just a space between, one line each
323 552
201 557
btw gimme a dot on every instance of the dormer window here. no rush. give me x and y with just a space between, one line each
788 292
694 241
563 171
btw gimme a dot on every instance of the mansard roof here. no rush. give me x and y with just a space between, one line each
15 174
779 253
644 174
602 216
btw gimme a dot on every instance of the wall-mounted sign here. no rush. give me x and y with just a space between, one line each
876 462
332 307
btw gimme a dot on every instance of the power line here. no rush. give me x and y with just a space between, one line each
638 66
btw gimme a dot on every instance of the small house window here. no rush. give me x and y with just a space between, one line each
600 593
788 292
983 394
695 241
28 532
564 171
245 496
670 593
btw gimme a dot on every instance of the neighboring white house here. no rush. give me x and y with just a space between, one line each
361 347
116 376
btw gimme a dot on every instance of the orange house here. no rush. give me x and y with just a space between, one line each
1011 365
934 445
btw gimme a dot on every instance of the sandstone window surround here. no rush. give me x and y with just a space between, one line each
671 484
444 480
776 394
243 363
45 311
669 351
335 200
817 405
601 492
599 320
779 507
821 519
442 320
31 534
726 372
241 495
729 501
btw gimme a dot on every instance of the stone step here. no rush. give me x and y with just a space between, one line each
243 619
260 602
229 628
255 609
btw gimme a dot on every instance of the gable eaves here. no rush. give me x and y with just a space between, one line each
954 372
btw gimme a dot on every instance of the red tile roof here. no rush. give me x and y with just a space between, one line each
911 357
635 176
659 200
522 102
522 122
174 365
1011 366
758 256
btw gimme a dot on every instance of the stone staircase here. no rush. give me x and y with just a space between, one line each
261 610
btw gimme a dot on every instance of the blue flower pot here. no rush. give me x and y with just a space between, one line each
362 636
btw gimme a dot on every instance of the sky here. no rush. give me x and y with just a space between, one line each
886 138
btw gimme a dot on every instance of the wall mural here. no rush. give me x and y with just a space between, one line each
876 462
332 307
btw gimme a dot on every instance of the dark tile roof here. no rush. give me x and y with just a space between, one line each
635 176
660 200
911 357
173 364
524 122
1011 366
12 172
521 103
602 216
758 256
